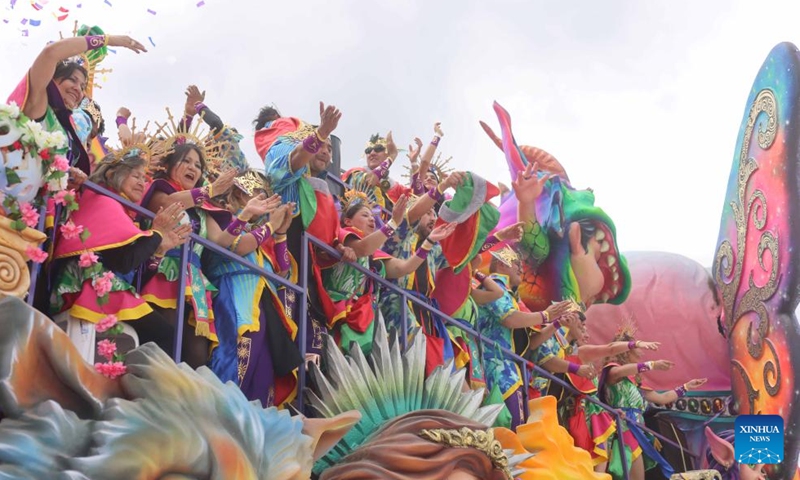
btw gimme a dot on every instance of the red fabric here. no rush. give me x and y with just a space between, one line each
20 93
579 429
325 225
450 299
265 137
434 353
584 385
361 314
284 388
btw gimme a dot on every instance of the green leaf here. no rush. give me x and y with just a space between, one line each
12 177
103 300
18 225
118 357
85 234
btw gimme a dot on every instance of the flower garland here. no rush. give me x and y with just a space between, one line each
34 143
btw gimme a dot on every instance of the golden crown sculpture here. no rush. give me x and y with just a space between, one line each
482 440
506 255
358 194
144 147
251 181
212 147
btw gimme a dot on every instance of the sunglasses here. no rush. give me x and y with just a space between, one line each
376 149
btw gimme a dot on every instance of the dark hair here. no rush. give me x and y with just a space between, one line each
266 114
66 68
176 156
111 173
588 230
352 211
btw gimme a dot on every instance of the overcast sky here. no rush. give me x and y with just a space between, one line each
640 101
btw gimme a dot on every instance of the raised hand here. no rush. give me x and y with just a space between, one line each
558 310
174 238
168 218
696 383
647 345
413 153
224 182
391 148
442 231
511 233
399 209
287 219
437 129
453 180
663 365
193 97
328 119
125 42
278 217
529 185
260 205
124 112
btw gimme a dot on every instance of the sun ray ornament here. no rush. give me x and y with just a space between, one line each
198 134
388 385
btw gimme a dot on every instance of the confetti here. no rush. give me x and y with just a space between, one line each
24 33
201 3
112 51
5 20
13 2
24 21
151 41
36 6
151 12
78 6
108 3
35 23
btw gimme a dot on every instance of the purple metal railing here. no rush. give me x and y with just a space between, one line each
301 290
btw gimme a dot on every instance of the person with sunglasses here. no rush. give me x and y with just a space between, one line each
380 154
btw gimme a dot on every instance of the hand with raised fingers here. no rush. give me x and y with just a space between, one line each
224 182
391 148
437 129
442 231
399 209
125 42
328 119
511 233
193 97
529 185
168 218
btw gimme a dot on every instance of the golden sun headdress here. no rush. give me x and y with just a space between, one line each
203 138
440 168
359 193
482 440
141 145
506 255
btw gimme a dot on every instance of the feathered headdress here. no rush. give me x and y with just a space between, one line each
204 139
376 140
627 329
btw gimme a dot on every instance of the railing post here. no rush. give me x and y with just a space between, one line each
303 316
180 305
622 454
35 268
404 321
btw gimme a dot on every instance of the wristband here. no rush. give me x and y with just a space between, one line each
631 344
121 120
200 195
382 171
199 106
93 42
236 226
261 233
312 144
320 137
681 391
490 242
435 194
643 367
422 252
556 324
573 367
480 276
387 230
282 256
545 315
435 141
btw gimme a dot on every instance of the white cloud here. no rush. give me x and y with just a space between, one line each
639 100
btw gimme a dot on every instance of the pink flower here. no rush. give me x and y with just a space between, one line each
102 285
70 230
111 370
29 214
61 163
106 323
61 196
36 255
87 259
107 348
